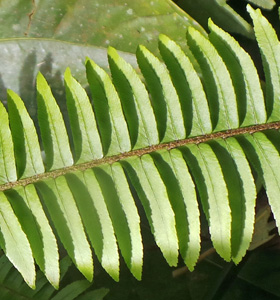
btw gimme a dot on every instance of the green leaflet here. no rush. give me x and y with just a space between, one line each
241 191
216 80
135 255
109 255
85 135
213 193
188 86
181 192
8 170
166 104
52 128
96 219
34 222
244 77
123 213
27 149
65 215
14 242
135 102
270 51
109 114
153 195
264 154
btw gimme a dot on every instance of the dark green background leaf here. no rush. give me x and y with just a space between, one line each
48 37
220 12
122 24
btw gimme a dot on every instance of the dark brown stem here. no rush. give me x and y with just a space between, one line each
140 152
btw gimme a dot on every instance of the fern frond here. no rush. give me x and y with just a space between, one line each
176 138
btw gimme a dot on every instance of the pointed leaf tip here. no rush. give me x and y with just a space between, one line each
164 38
67 73
40 76
111 50
210 23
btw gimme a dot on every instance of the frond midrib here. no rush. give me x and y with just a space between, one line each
139 152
